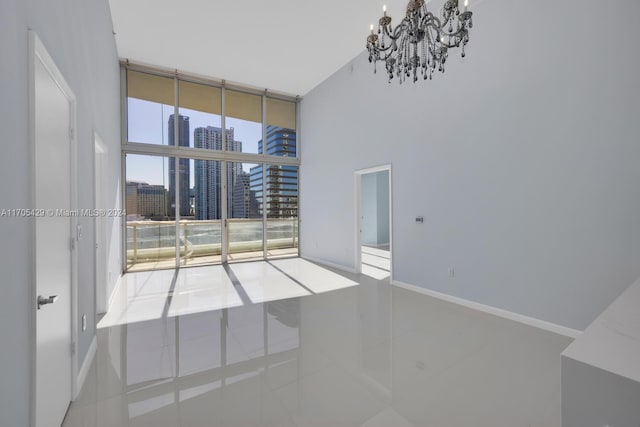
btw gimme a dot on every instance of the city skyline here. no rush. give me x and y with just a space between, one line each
148 124
200 180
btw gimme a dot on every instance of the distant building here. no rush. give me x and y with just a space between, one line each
245 203
131 199
280 142
183 167
207 180
281 187
146 201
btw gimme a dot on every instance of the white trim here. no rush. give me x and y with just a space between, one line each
374 169
38 52
357 185
330 264
33 342
86 364
101 284
505 314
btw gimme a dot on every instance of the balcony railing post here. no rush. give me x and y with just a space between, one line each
135 242
186 235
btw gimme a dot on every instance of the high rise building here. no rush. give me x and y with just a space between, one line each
208 182
183 167
280 142
279 194
245 203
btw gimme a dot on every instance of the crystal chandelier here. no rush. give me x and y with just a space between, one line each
421 42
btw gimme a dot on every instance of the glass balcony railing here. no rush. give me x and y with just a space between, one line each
153 241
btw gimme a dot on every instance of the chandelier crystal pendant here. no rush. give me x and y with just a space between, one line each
420 43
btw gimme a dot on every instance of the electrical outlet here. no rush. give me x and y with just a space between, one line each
452 272
420 364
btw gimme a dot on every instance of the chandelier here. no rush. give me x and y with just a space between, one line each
420 43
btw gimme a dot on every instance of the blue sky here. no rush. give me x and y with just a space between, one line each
148 123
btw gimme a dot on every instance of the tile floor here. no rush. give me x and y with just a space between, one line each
337 350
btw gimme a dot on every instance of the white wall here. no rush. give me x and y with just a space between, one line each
522 158
78 35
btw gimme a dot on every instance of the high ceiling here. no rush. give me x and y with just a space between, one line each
287 46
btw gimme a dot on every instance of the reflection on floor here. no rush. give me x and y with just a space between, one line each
156 294
369 355
376 262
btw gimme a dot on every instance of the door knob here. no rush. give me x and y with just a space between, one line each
42 300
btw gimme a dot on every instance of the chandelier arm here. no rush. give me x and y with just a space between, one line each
429 18
419 42
391 35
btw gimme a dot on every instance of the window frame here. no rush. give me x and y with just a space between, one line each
224 156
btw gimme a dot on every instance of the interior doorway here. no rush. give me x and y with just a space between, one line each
374 219
52 117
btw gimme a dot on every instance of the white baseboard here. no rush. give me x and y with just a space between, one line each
86 364
530 321
330 264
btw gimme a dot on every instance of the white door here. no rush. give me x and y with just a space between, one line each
52 249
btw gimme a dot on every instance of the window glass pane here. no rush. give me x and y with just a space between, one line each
280 142
151 235
245 215
282 210
244 121
202 105
150 102
200 232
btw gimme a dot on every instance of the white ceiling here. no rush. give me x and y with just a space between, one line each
287 46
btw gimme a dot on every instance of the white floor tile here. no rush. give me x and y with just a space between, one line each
263 283
387 418
201 289
374 272
183 351
376 261
314 277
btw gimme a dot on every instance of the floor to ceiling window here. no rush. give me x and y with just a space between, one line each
210 172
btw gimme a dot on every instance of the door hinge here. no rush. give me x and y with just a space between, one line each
71 133
73 243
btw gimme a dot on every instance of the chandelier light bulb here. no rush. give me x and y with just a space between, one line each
466 5
371 28
384 9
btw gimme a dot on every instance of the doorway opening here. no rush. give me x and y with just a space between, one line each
374 219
